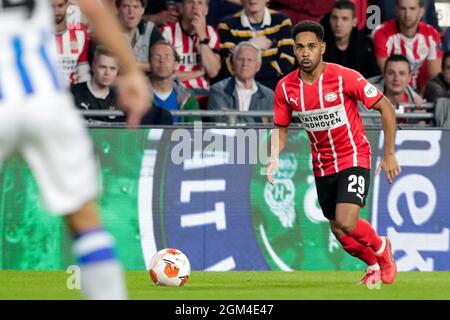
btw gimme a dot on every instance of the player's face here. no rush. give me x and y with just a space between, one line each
131 13
342 22
162 62
246 63
308 50
409 13
446 70
105 70
59 10
254 6
192 8
397 76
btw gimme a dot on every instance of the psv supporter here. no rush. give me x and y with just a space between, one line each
411 38
326 95
72 45
197 44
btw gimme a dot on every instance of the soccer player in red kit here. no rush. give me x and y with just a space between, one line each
326 96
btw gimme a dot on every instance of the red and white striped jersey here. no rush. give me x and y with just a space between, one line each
73 47
328 110
423 46
187 48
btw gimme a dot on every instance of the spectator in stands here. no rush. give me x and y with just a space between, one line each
267 29
439 86
197 44
162 12
98 93
241 91
142 34
410 37
346 45
387 8
72 46
394 85
299 10
169 93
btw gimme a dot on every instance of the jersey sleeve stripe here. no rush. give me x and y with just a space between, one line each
283 85
349 129
26 81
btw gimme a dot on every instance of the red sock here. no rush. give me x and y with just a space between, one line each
366 235
358 250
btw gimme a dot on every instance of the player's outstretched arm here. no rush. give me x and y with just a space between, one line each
389 163
278 138
133 90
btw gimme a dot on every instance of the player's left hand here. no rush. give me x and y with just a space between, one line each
390 166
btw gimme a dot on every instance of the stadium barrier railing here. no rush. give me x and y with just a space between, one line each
233 115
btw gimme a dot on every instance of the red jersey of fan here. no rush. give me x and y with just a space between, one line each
73 48
187 47
328 110
423 46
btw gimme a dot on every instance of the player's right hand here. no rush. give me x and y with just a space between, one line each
134 96
271 168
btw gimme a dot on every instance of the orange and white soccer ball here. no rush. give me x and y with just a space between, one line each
170 267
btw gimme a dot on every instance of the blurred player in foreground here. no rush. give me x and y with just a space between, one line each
326 96
38 120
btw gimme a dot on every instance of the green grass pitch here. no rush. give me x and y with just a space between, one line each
248 285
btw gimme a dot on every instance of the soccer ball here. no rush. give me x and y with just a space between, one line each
170 267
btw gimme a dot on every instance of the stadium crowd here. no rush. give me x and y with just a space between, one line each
230 54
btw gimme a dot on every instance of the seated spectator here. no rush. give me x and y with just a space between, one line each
162 12
394 85
267 29
299 10
346 45
387 8
169 93
72 46
408 36
197 45
98 93
439 86
141 33
241 92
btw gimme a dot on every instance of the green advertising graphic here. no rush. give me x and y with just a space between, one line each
289 228
31 239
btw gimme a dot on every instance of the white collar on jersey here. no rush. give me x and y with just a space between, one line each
267 20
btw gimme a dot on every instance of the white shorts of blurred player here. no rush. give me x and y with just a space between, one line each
49 134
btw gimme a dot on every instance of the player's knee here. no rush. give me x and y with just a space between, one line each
336 230
345 227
